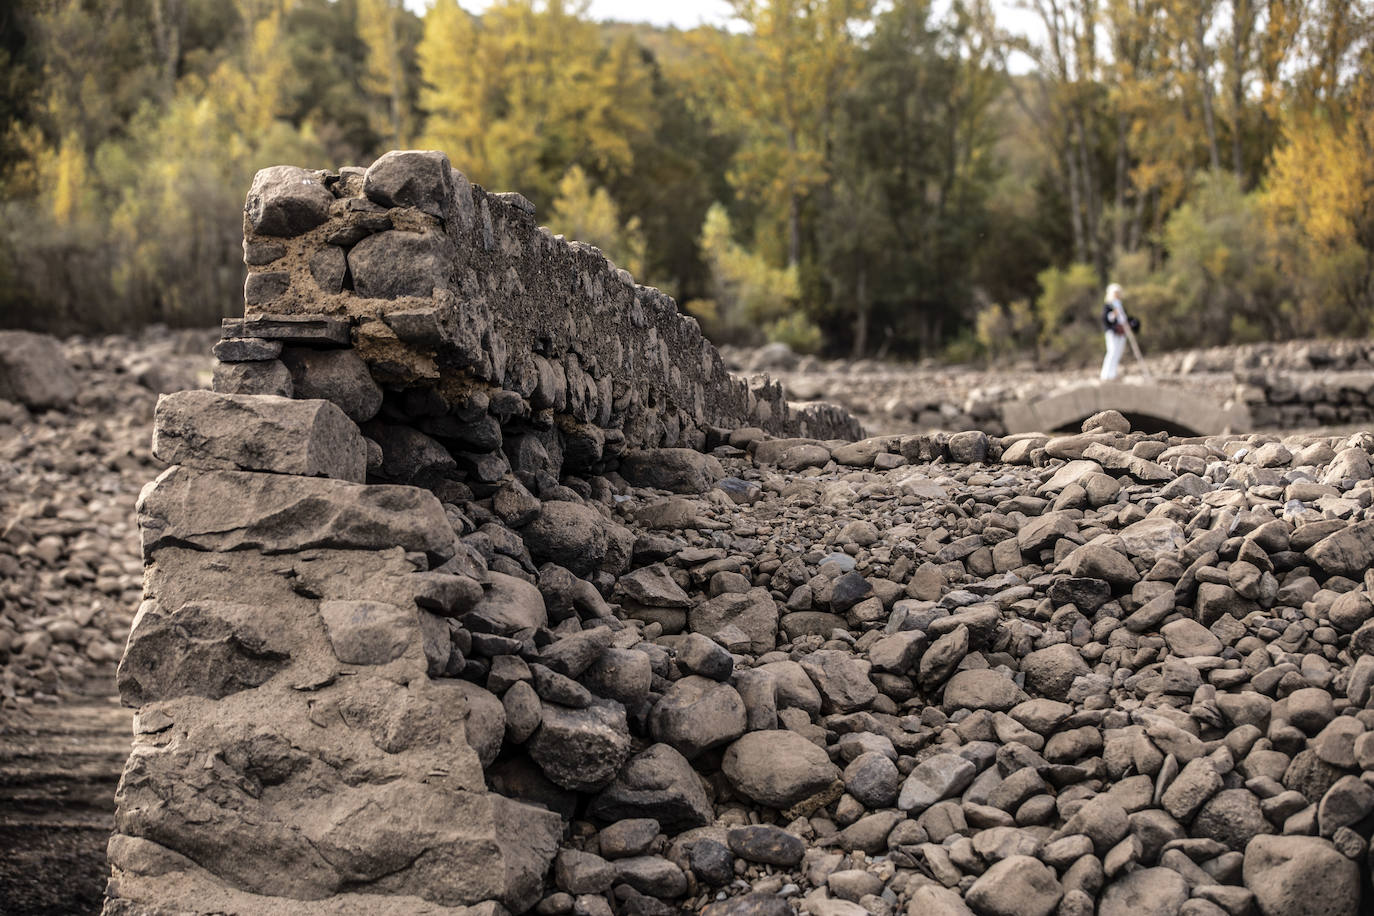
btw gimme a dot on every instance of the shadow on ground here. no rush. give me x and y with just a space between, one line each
59 765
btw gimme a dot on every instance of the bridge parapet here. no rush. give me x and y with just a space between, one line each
1179 410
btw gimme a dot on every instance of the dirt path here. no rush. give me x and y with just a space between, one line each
59 765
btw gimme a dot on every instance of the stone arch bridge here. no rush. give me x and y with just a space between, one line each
1149 405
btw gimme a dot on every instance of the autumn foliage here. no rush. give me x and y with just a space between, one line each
850 177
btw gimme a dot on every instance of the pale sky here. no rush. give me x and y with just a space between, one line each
688 14
685 14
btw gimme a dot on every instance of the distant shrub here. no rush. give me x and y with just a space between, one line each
1003 330
797 331
750 294
1069 313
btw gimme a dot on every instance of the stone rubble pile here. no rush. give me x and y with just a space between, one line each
1095 673
419 645
74 425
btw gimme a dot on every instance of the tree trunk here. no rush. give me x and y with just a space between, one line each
1137 221
863 312
1204 84
1091 208
794 230
1122 164
167 16
394 65
1241 16
1080 250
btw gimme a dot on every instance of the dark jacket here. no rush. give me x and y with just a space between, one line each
1109 321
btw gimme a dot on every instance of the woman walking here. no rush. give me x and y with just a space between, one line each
1114 324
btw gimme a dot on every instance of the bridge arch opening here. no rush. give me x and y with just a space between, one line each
1151 407
1140 422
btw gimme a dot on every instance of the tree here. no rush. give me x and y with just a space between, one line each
381 26
587 213
528 91
181 173
780 86
139 220
1221 272
328 77
911 165
750 295
1320 209
20 81
1067 312
679 166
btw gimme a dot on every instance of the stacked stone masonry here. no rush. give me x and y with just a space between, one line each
450 289
1290 401
451 610
309 728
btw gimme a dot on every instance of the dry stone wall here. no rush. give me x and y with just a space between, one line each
1312 399
448 287
376 511
1296 385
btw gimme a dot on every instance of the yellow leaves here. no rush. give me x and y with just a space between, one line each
1070 296
250 87
385 75
1317 199
748 289
24 178
587 213
778 87
1217 261
1002 331
1320 177
528 90
69 180
454 87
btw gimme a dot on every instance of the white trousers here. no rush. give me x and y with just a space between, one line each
1116 345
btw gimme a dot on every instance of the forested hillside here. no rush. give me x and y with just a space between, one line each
895 178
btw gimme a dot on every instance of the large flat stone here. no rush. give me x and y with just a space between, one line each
209 649
294 330
236 432
1348 552
361 785
235 510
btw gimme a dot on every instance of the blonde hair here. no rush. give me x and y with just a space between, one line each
1113 291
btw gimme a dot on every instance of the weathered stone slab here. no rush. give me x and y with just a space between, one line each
293 807
1347 552
209 649
234 510
203 429
293 330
